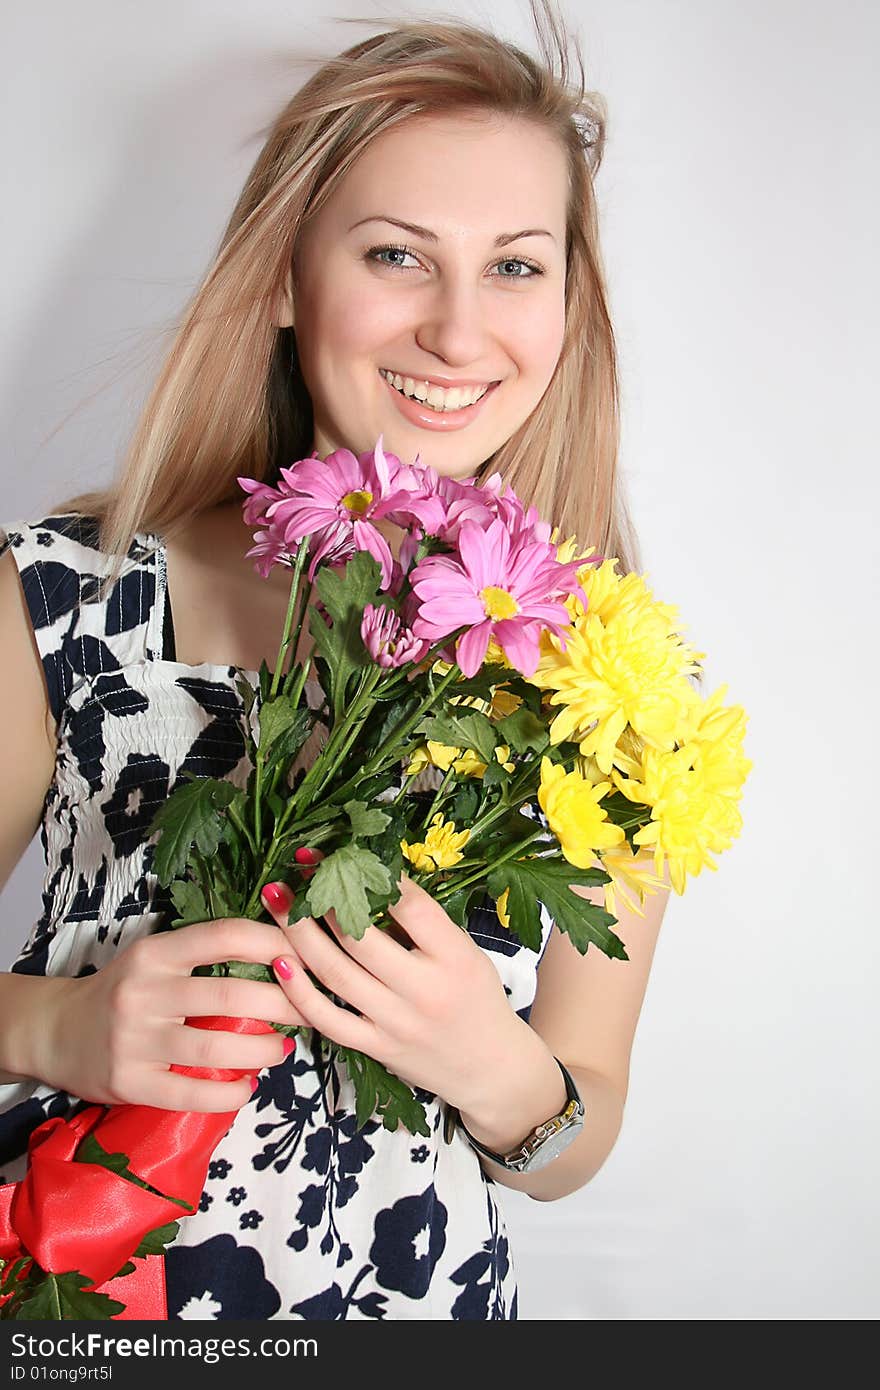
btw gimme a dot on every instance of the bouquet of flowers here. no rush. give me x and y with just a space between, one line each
551 696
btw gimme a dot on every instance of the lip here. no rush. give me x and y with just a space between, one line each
429 419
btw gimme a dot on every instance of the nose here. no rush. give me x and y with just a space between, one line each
453 323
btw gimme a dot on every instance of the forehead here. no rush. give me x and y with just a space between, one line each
458 174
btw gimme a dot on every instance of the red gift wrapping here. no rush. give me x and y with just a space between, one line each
142 1291
81 1216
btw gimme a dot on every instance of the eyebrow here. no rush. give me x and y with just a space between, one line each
501 240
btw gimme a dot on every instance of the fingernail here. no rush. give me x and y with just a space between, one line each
277 897
254 1084
305 856
282 967
289 1046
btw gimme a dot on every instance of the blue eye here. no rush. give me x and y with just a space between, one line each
376 252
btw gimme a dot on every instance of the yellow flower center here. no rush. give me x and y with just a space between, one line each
357 502
498 603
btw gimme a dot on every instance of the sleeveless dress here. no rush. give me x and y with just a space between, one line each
302 1216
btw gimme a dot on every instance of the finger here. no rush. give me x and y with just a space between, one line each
197 1047
383 955
339 1025
208 943
277 897
196 996
308 860
342 975
423 919
171 1091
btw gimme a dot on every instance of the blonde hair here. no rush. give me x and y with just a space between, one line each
230 400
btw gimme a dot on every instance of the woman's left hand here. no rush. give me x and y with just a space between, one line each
432 1010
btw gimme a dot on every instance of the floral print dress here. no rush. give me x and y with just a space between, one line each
302 1216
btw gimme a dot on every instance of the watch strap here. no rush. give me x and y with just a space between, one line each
519 1155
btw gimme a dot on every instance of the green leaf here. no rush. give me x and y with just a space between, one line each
378 1091
459 904
10 1274
154 1242
472 730
344 597
192 815
189 899
535 881
464 804
90 1150
64 1296
365 821
341 881
523 730
249 970
248 694
495 775
265 680
284 724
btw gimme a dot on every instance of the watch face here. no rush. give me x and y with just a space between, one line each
552 1146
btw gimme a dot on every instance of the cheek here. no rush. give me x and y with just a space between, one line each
357 319
547 336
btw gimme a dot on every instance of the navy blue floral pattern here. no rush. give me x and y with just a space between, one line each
303 1215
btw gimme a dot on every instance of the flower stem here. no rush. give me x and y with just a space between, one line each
450 772
292 603
512 852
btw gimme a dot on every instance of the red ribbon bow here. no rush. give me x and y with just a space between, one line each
84 1217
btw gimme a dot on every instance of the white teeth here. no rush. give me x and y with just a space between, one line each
436 397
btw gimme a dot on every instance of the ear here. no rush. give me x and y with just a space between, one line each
283 311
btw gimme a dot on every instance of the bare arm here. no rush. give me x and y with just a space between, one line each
585 1013
27 757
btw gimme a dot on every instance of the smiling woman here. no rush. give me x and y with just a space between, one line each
358 291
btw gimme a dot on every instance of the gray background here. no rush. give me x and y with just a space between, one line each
740 231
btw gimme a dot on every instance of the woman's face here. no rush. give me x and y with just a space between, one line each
451 306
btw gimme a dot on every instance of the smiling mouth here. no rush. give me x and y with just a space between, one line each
447 400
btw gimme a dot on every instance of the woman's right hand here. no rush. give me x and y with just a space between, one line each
113 1036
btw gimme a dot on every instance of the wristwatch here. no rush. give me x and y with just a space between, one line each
546 1141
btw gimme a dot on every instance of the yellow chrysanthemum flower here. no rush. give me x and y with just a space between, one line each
431 754
466 762
495 655
470 764
628 871
693 792
571 804
441 847
624 663
569 549
501 908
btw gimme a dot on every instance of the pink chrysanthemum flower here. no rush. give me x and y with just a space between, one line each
337 500
269 550
389 642
262 495
500 585
464 501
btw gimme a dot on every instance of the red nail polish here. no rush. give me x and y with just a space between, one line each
305 856
289 1046
277 897
254 1084
282 968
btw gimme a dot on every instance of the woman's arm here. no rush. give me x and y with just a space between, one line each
114 1036
585 1012
27 763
